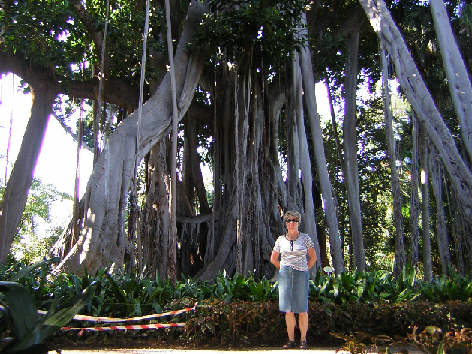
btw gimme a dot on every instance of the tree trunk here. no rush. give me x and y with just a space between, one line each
76 207
293 163
414 199
192 174
238 196
341 187
19 183
317 138
458 231
254 220
427 262
102 242
98 123
255 230
421 101
309 220
226 144
456 71
246 197
249 219
350 149
172 263
7 154
400 256
441 231
154 224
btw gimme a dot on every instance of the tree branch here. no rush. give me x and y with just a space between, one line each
120 91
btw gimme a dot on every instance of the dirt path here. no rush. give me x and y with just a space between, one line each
202 351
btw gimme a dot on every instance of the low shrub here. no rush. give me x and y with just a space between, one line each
243 323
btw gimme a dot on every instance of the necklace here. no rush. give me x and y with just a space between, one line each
291 239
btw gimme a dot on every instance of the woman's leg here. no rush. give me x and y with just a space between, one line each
290 322
303 324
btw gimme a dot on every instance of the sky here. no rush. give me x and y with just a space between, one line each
57 160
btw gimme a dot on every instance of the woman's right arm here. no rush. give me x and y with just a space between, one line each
274 259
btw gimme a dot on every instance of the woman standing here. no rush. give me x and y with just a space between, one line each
293 249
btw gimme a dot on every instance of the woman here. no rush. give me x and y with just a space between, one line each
293 248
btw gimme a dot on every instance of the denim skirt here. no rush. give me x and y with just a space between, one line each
293 290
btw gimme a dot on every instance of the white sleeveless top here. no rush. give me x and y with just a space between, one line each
294 256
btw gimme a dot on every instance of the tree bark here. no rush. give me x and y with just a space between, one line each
341 186
239 236
154 223
251 174
326 189
102 242
172 263
7 154
293 147
192 174
400 256
76 206
414 199
350 149
427 262
462 253
256 226
441 231
456 71
309 220
19 183
245 106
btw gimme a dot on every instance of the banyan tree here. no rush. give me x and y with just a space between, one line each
239 78
248 111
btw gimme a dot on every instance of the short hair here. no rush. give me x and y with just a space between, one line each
292 213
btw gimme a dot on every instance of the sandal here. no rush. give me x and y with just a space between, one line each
289 345
303 345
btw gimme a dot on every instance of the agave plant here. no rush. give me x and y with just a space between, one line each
29 329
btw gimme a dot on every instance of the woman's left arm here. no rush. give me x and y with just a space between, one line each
311 257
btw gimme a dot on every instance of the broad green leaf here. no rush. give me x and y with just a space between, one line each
21 307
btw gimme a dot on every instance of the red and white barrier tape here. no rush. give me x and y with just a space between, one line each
116 319
147 317
125 327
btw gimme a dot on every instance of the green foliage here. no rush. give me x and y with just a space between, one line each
19 314
253 31
29 244
374 180
383 287
329 36
241 288
52 33
444 288
466 18
130 295
239 310
33 29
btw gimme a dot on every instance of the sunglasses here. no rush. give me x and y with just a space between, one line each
291 220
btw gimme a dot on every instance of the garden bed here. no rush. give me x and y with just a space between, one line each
243 324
